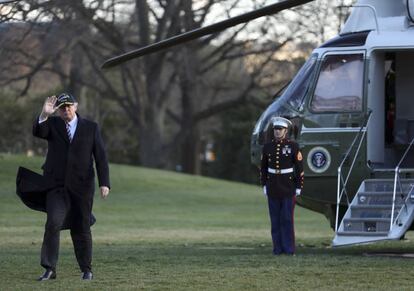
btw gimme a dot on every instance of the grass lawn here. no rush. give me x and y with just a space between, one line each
165 231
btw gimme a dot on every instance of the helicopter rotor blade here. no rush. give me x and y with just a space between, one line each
203 31
8 1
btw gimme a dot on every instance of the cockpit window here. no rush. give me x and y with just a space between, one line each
295 93
340 84
290 101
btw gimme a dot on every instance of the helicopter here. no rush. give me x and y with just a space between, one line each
352 117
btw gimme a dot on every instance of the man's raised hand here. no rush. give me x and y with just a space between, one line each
48 107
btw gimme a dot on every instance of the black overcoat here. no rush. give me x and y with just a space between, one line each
70 165
32 187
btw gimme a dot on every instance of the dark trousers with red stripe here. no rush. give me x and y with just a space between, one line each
281 212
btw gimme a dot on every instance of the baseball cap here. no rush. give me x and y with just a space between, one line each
65 99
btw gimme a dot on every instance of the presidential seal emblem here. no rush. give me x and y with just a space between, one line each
319 159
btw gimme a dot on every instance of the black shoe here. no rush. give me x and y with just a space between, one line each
87 275
48 275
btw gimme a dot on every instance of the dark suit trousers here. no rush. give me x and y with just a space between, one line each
61 204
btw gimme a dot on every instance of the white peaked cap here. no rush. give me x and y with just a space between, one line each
278 121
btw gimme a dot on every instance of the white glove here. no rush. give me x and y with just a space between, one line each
298 192
264 191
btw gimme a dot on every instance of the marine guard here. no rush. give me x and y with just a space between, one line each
282 180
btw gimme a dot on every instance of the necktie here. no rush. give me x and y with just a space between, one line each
68 131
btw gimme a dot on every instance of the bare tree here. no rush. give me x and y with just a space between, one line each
166 96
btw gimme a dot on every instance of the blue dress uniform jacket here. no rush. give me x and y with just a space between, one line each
281 168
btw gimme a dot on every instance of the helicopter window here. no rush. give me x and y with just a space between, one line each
340 84
291 98
294 94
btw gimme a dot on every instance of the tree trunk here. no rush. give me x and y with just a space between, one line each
75 75
151 152
191 149
190 146
80 30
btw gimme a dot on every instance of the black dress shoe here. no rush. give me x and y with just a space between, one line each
48 275
87 275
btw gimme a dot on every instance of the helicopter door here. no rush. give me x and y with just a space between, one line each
399 104
335 111
390 98
332 119
404 88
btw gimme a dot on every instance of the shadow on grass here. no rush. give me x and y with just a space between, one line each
222 253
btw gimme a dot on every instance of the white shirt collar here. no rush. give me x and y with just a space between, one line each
73 122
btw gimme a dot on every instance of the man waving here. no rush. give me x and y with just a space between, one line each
73 144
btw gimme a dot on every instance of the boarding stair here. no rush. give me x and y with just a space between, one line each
382 208
372 215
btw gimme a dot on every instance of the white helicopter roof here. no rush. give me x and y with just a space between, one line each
376 24
395 40
380 15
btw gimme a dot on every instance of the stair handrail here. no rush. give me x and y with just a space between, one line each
397 178
361 133
405 204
